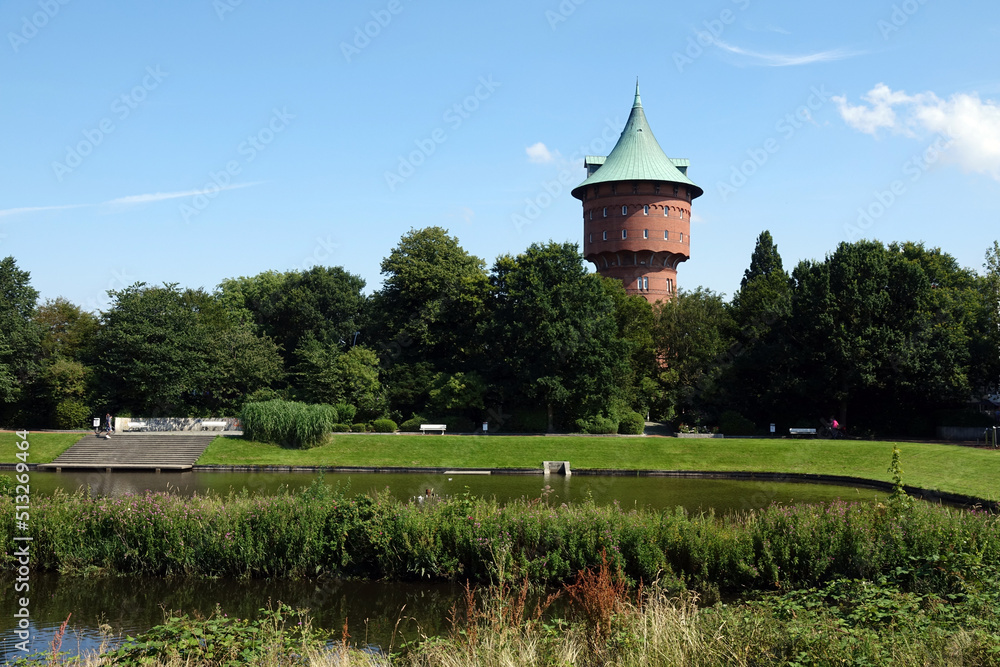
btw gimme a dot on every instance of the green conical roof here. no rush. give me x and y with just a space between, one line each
637 156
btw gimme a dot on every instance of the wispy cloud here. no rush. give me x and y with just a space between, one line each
787 60
130 200
35 209
972 124
162 196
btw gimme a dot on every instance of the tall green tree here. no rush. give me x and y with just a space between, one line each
553 338
693 333
20 339
427 316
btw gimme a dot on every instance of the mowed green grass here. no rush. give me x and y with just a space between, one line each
42 447
948 468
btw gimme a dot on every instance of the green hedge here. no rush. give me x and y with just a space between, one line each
384 426
632 424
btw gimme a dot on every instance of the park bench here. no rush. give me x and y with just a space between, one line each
218 424
424 428
802 431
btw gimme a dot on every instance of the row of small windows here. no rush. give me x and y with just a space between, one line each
643 284
645 235
645 211
635 189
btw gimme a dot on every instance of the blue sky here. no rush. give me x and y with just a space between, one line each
197 140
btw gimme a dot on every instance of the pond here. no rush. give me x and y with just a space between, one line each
129 605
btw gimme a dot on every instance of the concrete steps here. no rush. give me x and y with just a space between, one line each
134 451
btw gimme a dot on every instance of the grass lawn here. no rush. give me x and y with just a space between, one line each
43 447
931 466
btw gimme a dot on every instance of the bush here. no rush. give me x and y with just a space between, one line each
287 423
345 413
340 428
412 425
385 426
359 428
597 425
72 413
632 424
733 423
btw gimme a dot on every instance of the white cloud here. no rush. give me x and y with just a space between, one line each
162 196
34 209
786 60
971 124
540 154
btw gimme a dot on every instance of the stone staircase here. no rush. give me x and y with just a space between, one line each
134 451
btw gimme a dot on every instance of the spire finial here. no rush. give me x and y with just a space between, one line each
638 102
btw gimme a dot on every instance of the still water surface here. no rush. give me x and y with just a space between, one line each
129 605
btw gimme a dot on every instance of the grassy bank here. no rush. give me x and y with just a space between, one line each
321 532
932 466
944 614
44 447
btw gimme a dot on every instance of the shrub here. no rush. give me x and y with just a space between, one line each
287 423
72 413
412 425
597 425
385 426
527 421
733 423
632 424
340 428
345 413
359 428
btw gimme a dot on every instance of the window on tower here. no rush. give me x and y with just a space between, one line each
624 210
682 214
635 188
645 233
590 238
666 211
605 211
645 209
666 235
614 188
676 190
645 283
682 237
591 214
605 237
656 189
624 233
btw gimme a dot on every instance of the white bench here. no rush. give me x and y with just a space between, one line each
424 428
208 425
802 431
136 425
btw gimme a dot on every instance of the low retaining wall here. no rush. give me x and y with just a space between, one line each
962 432
159 424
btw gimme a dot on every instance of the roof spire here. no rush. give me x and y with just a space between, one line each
638 102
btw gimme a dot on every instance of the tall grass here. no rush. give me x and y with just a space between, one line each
320 531
289 423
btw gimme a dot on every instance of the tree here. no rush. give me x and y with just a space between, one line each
552 335
327 375
162 351
426 318
20 336
693 333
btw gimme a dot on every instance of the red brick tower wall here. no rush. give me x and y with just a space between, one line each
657 234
